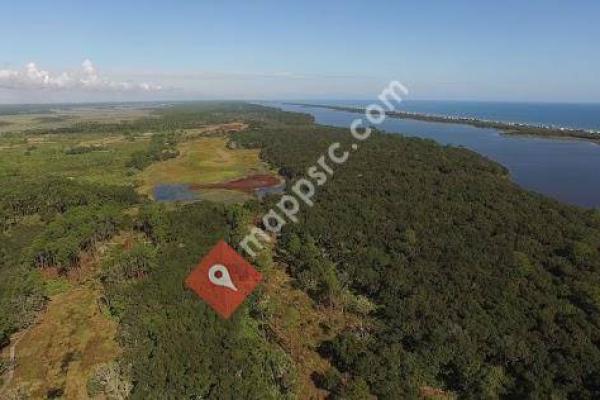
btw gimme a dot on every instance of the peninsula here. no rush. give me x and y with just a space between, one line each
510 128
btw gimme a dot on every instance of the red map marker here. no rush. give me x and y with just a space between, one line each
223 279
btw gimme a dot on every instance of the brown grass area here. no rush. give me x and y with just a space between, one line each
60 352
299 326
72 337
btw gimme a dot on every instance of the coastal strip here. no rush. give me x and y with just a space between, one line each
510 128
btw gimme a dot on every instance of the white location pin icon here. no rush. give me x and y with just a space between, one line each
219 275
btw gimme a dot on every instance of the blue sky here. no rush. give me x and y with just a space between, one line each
480 50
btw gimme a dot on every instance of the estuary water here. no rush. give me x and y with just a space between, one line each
567 170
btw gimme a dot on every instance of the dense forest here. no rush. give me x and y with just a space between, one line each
177 346
482 289
473 287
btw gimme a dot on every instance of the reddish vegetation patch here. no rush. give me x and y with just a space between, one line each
50 272
247 184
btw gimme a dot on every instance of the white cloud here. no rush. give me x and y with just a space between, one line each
86 78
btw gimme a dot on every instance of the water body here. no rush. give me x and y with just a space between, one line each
261 193
583 116
174 192
567 170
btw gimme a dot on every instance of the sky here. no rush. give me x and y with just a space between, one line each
534 50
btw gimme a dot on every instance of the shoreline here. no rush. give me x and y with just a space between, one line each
508 128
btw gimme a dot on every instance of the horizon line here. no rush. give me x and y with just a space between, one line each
108 102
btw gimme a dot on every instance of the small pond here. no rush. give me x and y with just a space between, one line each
267 190
174 192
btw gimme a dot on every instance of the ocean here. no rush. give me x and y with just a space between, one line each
567 115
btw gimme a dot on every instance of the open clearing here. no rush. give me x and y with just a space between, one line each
204 161
60 118
44 155
59 353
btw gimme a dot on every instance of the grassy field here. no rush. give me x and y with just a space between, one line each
43 155
60 353
32 155
72 338
59 118
204 160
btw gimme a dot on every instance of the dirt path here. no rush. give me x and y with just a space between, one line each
10 374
